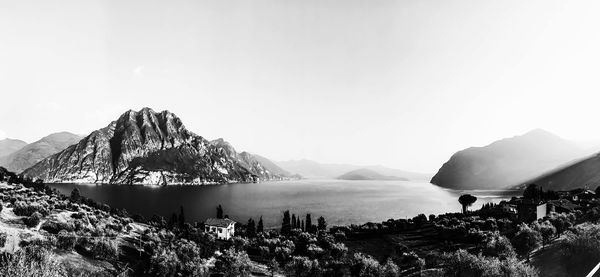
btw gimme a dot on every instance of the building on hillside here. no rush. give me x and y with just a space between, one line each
562 206
223 228
507 207
530 210
584 195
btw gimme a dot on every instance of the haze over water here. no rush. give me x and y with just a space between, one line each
340 202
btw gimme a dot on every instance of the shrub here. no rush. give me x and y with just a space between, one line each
105 249
66 240
233 263
164 262
30 261
27 209
3 237
54 227
33 220
461 263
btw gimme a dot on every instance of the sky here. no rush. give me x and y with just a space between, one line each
403 84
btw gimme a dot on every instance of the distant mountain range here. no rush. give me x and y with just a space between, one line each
312 169
34 152
368 174
9 146
507 162
147 147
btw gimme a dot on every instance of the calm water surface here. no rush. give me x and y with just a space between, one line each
340 202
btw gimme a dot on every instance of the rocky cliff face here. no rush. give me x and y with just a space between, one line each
34 152
146 147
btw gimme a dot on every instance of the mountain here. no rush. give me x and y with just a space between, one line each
367 174
582 173
271 166
34 152
9 146
506 162
312 169
147 147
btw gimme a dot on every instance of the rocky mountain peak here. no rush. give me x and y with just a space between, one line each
148 147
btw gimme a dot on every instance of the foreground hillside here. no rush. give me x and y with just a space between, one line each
148 147
34 152
507 162
43 233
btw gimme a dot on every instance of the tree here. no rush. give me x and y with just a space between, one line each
308 226
251 228
462 263
219 211
260 228
302 226
273 267
294 221
298 223
532 192
500 247
546 230
390 269
286 226
322 224
173 221
526 240
361 265
233 263
75 195
181 217
466 200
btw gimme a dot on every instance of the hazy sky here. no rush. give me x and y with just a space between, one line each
399 83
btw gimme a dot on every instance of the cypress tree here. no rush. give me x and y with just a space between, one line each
308 226
260 228
251 228
219 211
286 225
181 217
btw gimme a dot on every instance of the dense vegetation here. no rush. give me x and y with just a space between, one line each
477 243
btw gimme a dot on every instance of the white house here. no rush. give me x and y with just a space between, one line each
223 228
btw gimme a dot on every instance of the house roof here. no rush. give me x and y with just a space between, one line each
219 222
564 203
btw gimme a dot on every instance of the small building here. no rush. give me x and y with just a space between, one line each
584 195
223 228
530 210
507 207
562 206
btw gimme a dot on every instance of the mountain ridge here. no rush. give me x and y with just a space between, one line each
368 174
36 151
9 146
153 148
506 162
312 169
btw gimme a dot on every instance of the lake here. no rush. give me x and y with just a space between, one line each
340 202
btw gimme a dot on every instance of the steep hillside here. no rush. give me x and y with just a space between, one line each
506 162
583 173
147 147
34 152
